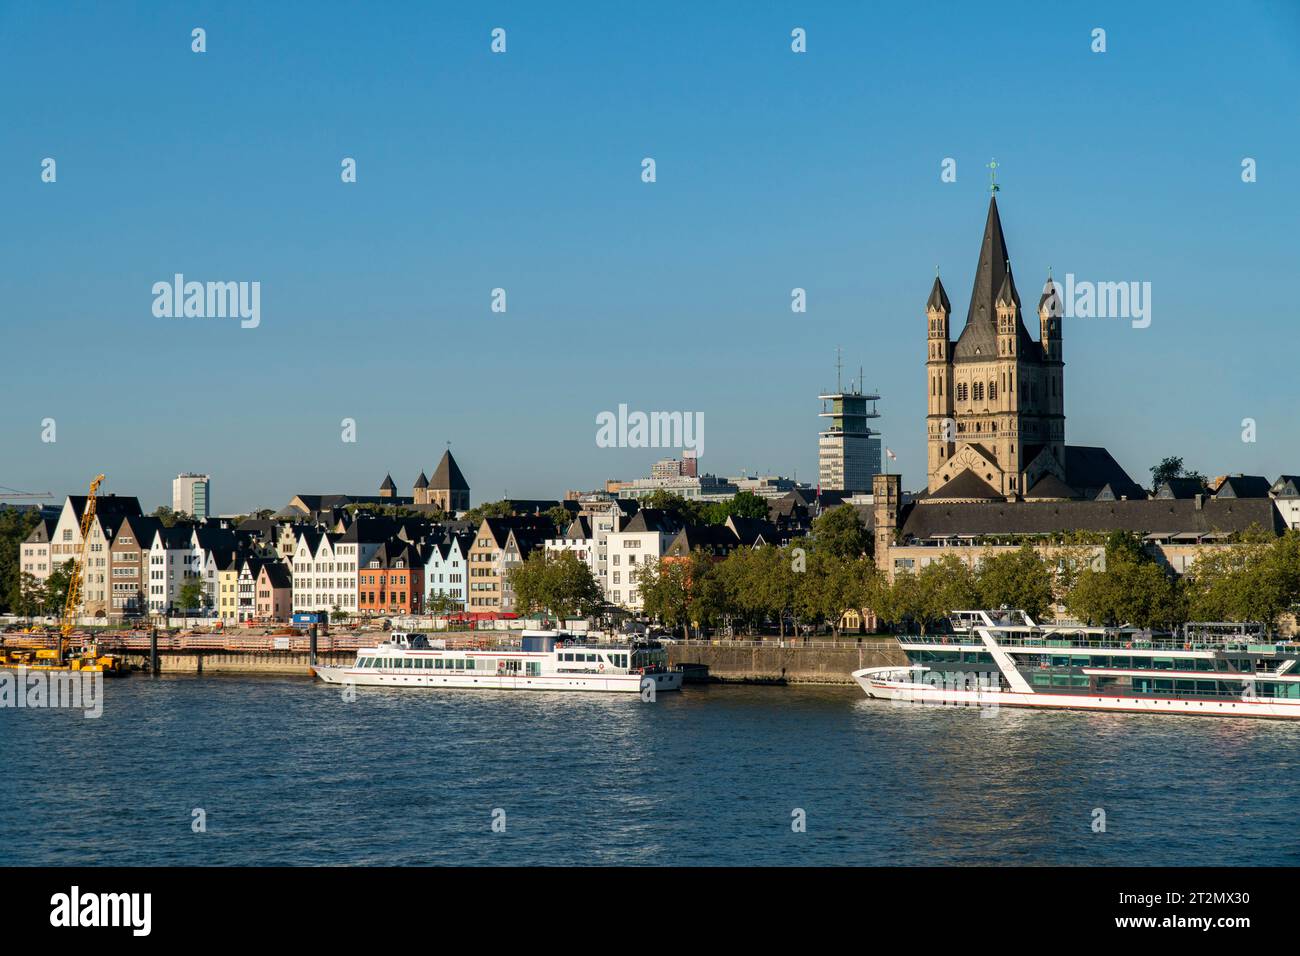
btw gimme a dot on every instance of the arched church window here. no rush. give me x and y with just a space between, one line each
993 391
979 391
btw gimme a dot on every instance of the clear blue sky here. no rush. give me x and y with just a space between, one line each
522 171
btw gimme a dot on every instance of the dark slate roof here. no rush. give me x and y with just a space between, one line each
388 484
966 485
1089 469
1178 488
422 482
447 476
579 528
1171 516
750 530
716 539
1049 486
979 338
938 298
278 574
1286 486
106 505
652 519
1243 486
41 533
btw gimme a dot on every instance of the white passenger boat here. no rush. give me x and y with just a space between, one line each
546 660
1007 660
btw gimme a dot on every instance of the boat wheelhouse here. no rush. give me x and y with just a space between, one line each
545 660
993 659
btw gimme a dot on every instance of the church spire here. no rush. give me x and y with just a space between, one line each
991 271
938 301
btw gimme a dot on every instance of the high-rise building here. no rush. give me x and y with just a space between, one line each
848 451
192 494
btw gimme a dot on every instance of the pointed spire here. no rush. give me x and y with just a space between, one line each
388 484
1049 293
422 482
991 271
938 298
1007 294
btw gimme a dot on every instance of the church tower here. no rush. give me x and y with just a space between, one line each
1004 397
940 424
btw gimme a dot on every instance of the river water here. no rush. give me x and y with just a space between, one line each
286 771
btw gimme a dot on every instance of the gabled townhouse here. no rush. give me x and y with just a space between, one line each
171 564
500 544
1286 498
65 545
34 554
246 583
213 549
227 605
129 565
446 569
392 580
274 592
642 540
715 540
580 540
319 584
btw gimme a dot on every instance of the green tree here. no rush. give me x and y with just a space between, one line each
1018 579
15 525
490 509
561 517
840 532
31 595
664 590
191 595
1171 467
56 586
171 519
1132 589
560 583
832 585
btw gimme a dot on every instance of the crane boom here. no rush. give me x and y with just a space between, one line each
78 569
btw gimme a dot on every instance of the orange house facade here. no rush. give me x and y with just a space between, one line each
392 582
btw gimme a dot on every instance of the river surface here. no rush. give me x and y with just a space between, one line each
286 771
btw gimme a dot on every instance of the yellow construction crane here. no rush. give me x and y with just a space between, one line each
78 569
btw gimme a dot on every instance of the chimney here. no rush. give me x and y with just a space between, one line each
1200 502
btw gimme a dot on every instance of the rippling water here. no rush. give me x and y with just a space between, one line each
290 773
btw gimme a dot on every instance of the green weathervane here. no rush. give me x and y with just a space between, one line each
993 176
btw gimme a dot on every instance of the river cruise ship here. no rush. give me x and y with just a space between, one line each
1005 659
546 660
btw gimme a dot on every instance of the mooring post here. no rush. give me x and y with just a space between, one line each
153 650
312 634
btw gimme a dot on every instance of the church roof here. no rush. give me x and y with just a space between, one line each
1151 515
1049 486
388 484
422 482
1089 469
967 485
938 298
447 476
979 338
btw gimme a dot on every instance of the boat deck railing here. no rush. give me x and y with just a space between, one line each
1103 643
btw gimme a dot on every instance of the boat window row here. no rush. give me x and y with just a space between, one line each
418 663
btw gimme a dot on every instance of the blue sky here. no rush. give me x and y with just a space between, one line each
522 171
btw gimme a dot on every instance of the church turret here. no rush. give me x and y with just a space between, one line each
1007 305
940 423
1049 321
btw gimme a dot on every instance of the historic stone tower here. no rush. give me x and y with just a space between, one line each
996 402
